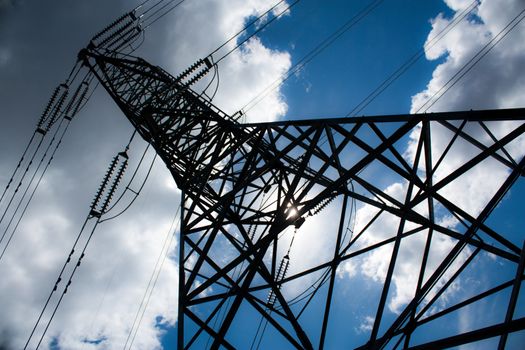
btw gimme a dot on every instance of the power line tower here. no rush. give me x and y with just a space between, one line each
251 190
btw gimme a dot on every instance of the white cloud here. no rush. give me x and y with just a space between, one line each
107 289
497 80
245 72
366 325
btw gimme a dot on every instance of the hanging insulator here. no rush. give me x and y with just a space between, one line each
102 188
197 77
49 107
114 186
57 110
281 274
323 204
251 232
125 38
114 24
185 74
114 34
76 101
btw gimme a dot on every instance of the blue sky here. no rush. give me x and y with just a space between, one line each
360 60
38 45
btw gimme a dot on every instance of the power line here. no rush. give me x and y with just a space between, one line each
411 61
258 30
234 36
319 48
163 254
467 67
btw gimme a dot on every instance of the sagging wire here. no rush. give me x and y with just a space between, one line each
135 193
98 207
319 48
163 254
215 76
68 113
259 29
245 28
412 60
472 62
407 65
165 13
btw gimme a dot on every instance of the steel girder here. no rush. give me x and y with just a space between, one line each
349 185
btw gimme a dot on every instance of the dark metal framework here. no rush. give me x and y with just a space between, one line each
250 190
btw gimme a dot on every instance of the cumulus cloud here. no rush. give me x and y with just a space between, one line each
496 82
245 72
100 305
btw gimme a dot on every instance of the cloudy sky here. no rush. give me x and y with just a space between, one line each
39 42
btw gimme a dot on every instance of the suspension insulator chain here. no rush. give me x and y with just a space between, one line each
76 101
114 185
57 111
52 109
195 72
323 204
130 17
99 206
281 274
125 38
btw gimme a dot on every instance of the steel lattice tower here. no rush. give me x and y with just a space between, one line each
250 189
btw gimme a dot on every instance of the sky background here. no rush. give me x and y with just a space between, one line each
39 42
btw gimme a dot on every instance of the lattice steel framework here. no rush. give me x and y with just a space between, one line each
250 190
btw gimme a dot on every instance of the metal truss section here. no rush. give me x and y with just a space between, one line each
276 216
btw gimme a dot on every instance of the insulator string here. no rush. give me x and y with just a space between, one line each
105 192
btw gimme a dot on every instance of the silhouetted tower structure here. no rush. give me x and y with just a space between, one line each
250 190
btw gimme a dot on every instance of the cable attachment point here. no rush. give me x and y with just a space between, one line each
109 184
